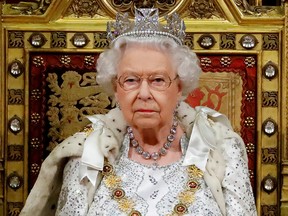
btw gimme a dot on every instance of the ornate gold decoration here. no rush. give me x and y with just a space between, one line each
270 70
204 9
38 61
35 142
126 204
247 9
73 97
269 127
205 62
269 210
35 94
15 152
250 148
164 6
16 39
206 41
248 41
33 7
142 4
249 95
35 118
35 168
269 155
270 99
37 39
15 96
270 42
16 68
285 53
89 60
100 40
15 124
249 121
88 129
83 8
269 184
225 61
80 40
65 59
228 41
14 181
189 40
58 40
250 62
14 208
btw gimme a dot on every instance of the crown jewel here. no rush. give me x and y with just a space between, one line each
146 25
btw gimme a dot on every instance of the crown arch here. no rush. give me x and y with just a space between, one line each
45 45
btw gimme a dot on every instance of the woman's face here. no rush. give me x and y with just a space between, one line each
145 107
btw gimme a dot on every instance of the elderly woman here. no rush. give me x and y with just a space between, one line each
153 154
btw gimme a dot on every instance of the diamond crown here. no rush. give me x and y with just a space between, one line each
146 25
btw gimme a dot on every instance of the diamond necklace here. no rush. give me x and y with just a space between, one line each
162 151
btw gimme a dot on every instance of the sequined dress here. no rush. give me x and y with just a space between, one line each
154 190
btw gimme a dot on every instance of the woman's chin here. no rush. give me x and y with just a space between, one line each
145 123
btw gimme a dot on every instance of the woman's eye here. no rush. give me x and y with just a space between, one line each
158 80
131 80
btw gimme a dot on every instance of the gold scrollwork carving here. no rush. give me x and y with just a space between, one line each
204 9
228 41
270 99
15 96
129 5
269 155
269 210
58 40
247 9
83 8
36 7
15 152
165 7
15 39
270 42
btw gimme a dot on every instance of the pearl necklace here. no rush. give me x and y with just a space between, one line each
162 151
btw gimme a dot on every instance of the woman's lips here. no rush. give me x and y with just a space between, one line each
145 110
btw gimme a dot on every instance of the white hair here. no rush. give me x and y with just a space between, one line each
183 59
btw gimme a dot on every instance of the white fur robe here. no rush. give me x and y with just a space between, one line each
209 129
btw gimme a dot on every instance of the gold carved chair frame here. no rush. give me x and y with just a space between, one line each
48 82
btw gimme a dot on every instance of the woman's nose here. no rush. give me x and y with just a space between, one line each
144 90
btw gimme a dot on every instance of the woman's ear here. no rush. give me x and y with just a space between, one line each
180 87
114 84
